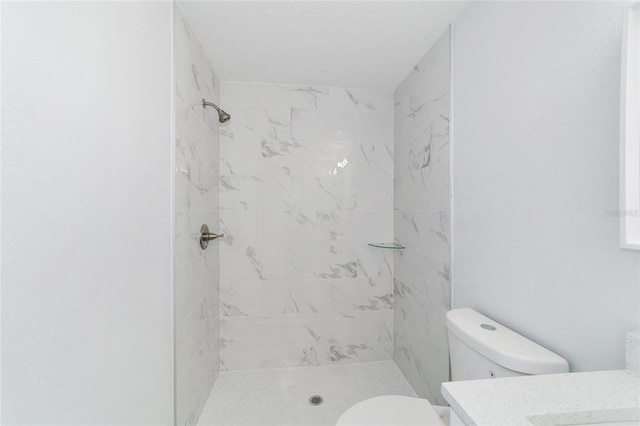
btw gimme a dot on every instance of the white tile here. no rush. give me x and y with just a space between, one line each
326 126
196 202
307 179
280 396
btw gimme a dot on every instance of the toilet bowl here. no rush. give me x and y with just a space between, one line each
394 410
479 348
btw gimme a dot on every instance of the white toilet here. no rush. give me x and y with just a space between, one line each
479 348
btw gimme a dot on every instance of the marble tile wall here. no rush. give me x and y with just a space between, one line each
306 182
422 284
197 276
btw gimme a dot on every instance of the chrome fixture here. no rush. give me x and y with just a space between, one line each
206 236
222 116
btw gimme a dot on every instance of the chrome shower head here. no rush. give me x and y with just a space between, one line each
223 117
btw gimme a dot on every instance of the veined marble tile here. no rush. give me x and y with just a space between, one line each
329 193
361 100
438 56
300 227
250 359
239 157
240 227
331 126
374 193
185 243
421 343
416 272
330 159
374 262
258 124
184 293
314 165
197 280
372 226
295 96
292 297
315 329
242 93
326 354
239 192
281 193
324 261
361 294
309 296
242 298
422 284
376 128
370 161
194 384
248 333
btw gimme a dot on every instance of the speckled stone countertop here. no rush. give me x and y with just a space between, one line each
553 399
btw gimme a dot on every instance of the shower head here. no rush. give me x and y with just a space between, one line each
223 117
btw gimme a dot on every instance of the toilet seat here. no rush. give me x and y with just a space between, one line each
390 410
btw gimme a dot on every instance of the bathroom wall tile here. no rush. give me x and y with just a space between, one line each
184 293
295 96
312 330
360 294
359 99
375 127
416 272
197 280
373 193
374 262
281 193
239 157
249 333
329 193
308 126
239 192
422 347
307 181
242 298
422 284
240 227
371 226
185 248
274 357
325 354
242 93
290 297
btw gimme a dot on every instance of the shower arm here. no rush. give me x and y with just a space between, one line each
211 104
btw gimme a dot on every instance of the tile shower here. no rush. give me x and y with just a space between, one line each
299 181
306 181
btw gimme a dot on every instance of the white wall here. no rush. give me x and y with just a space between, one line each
535 159
87 222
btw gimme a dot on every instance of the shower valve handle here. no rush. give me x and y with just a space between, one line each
206 236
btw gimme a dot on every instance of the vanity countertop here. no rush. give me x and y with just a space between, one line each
570 398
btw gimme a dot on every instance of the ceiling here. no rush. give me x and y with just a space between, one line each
359 44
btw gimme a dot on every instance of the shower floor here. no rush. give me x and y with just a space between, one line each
281 396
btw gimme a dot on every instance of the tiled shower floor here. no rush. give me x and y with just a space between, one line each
280 396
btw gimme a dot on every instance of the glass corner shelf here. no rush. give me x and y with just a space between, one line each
390 246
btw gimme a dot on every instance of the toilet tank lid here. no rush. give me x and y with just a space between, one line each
502 345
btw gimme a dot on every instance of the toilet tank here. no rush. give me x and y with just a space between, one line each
481 348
